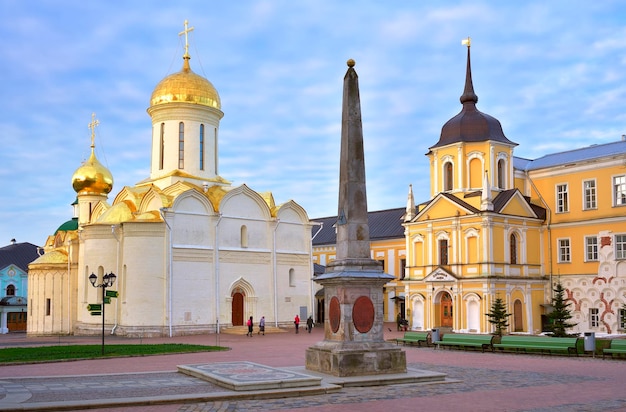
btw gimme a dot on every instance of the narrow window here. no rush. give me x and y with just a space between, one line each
162 146
501 174
181 145
564 251
244 236
48 307
292 278
620 246
513 247
562 204
402 268
589 188
201 147
591 248
448 175
619 190
11 290
594 317
622 319
443 251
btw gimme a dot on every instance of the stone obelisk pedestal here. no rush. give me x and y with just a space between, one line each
353 284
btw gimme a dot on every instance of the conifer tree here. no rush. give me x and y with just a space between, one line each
498 316
560 315
622 323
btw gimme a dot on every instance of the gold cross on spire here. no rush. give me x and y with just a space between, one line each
185 32
92 126
467 42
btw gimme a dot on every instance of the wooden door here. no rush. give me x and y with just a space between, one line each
446 310
518 320
237 309
16 321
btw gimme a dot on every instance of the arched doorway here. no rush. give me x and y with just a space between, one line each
237 308
446 310
518 320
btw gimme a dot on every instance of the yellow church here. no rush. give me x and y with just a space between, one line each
500 226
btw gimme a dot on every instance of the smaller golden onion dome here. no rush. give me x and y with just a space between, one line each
185 87
92 178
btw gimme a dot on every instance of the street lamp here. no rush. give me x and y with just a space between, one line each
107 280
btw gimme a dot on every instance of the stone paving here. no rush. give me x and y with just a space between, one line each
478 381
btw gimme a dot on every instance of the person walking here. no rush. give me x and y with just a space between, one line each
250 326
309 323
262 326
296 322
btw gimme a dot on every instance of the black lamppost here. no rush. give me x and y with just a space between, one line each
107 280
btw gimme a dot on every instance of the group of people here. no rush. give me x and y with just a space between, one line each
296 321
250 324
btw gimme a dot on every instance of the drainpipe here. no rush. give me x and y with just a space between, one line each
69 260
169 270
321 226
217 275
274 272
117 269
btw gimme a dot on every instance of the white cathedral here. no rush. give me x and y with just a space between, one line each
190 253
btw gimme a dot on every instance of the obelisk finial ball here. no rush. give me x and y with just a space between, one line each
351 63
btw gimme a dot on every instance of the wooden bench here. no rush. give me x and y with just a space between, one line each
618 346
548 344
414 337
466 340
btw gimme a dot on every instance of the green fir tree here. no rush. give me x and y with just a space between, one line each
622 323
560 315
498 316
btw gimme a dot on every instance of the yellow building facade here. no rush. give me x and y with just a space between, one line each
500 226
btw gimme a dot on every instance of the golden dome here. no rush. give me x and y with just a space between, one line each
92 178
187 87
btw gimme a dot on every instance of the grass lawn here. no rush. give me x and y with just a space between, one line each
75 352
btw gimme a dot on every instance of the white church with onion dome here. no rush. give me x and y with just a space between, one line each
190 253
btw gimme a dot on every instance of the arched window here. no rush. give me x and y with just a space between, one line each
501 179
11 290
443 252
181 145
162 146
448 175
244 236
201 147
513 246
292 277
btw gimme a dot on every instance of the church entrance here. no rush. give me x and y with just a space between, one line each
518 322
237 309
446 310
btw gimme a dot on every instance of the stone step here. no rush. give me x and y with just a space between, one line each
242 330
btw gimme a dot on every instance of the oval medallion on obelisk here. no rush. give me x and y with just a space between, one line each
363 314
334 314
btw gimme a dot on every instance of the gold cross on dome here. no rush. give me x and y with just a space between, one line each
186 32
92 126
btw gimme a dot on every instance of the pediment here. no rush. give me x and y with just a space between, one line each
440 275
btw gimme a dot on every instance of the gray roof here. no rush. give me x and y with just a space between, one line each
18 254
596 151
383 224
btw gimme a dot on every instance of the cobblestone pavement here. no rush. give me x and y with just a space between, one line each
478 381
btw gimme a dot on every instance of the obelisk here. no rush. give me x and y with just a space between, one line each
353 283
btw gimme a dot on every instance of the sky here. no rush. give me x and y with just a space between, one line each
552 72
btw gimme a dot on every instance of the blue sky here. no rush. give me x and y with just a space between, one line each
552 72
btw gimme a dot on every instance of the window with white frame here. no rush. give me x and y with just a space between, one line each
594 317
565 254
619 190
620 246
591 248
562 201
589 189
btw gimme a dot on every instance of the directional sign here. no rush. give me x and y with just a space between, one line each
94 307
111 293
107 300
96 313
